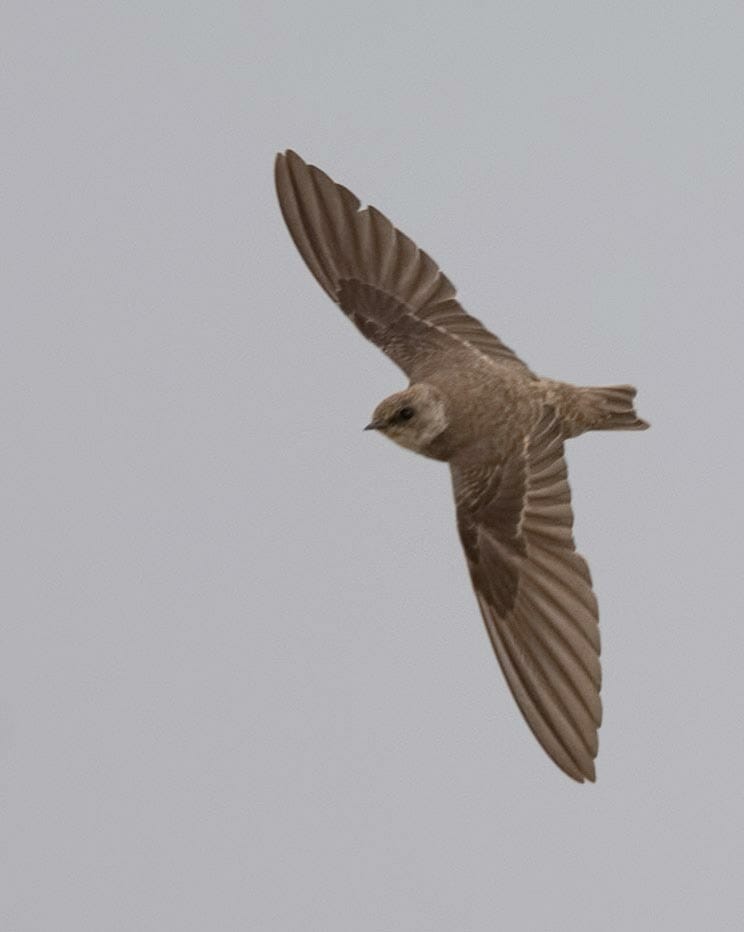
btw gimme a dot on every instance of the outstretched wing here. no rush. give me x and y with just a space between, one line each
535 592
392 290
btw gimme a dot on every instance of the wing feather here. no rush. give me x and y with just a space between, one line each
378 275
535 592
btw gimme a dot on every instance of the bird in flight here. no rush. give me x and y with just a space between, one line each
474 404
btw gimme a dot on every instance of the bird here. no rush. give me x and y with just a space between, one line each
472 403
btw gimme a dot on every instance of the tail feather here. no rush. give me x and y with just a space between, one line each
613 408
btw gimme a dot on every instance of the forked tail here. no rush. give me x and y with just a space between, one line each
612 408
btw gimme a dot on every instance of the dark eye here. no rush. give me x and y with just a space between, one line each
405 414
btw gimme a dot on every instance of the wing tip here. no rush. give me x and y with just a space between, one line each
585 775
285 161
579 771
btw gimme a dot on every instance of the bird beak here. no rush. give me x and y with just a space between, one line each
374 425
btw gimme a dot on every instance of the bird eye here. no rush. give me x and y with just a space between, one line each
405 414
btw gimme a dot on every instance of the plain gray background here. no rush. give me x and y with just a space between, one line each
244 683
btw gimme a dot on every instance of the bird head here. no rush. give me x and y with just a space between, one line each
412 418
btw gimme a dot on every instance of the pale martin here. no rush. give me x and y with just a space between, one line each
474 404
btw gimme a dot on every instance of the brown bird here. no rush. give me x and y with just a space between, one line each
474 404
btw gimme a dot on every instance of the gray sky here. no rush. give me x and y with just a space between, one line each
244 680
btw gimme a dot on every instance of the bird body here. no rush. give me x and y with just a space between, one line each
474 404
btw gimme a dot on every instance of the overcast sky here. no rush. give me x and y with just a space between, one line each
244 682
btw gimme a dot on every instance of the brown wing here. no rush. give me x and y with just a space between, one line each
392 290
535 592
